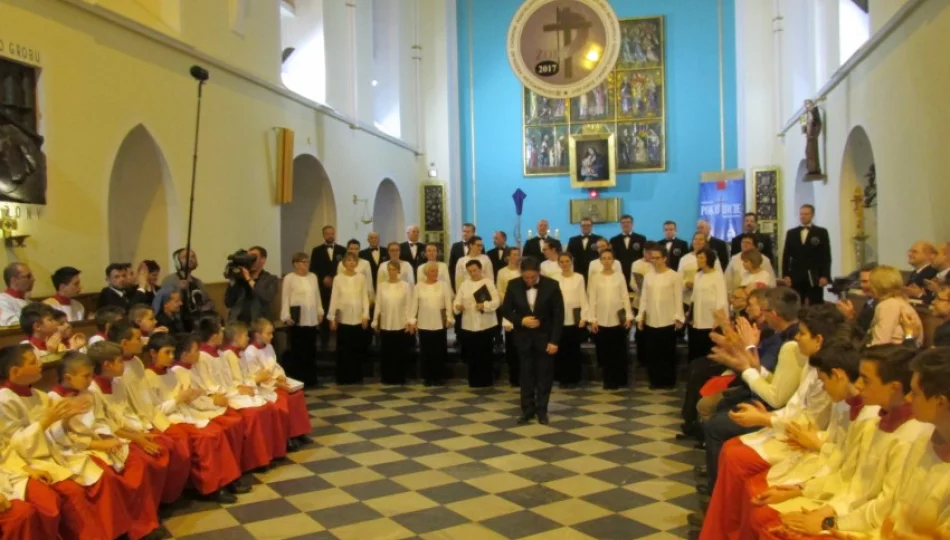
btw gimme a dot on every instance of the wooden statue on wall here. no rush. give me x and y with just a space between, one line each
811 127
870 192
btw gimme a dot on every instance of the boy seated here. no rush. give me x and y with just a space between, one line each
67 285
38 321
105 317
142 317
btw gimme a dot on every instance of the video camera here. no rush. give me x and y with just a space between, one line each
236 261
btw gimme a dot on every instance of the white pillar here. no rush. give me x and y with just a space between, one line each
756 99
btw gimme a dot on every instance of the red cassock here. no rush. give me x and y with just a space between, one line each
143 479
737 464
94 512
294 406
259 425
38 517
276 431
177 456
213 463
233 426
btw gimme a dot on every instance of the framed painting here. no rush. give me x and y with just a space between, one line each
641 146
434 223
642 43
640 94
546 150
593 161
596 105
766 185
540 110
598 210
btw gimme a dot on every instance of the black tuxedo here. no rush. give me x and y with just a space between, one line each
323 264
722 251
763 243
678 248
367 255
405 254
532 248
111 297
918 277
537 366
498 258
807 262
583 257
455 253
865 317
628 255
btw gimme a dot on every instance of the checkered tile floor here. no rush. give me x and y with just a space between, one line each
451 463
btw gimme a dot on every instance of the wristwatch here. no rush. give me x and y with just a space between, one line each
829 523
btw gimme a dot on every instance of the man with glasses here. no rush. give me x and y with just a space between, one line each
19 280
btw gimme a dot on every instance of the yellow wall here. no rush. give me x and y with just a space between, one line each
99 81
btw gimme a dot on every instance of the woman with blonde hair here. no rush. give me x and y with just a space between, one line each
887 288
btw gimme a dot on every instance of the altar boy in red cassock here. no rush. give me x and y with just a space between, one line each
140 467
29 509
260 362
215 468
90 502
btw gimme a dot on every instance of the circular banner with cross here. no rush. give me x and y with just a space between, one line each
563 48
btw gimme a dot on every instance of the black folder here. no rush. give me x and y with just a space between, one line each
482 295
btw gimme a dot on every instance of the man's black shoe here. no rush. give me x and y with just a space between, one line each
695 519
543 418
701 471
238 488
525 419
703 489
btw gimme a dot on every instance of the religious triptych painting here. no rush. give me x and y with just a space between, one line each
630 103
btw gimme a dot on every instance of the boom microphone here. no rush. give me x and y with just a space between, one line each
199 73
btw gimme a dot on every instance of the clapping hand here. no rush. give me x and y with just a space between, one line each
77 341
846 308
807 522
912 326
776 494
53 342
749 334
913 291
803 438
750 415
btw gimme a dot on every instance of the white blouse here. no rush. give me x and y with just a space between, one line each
505 275
472 319
597 267
736 275
431 300
461 273
575 297
349 303
393 305
405 273
550 269
301 291
362 268
709 296
443 272
688 270
608 295
761 277
661 301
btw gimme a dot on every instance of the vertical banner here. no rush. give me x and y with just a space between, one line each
722 202
285 165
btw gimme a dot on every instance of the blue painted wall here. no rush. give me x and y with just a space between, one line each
692 123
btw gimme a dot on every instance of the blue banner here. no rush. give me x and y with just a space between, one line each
722 204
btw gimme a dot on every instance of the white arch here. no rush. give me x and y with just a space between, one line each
389 219
856 161
143 210
313 207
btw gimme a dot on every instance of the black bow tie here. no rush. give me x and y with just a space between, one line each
331 246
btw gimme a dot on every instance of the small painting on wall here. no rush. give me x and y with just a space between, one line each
597 105
641 43
640 94
545 150
593 161
641 146
597 210
540 110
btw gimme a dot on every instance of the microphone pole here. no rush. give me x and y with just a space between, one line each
201 75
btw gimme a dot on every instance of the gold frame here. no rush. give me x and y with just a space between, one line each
442 234
614 121
612 205
611 161
779 220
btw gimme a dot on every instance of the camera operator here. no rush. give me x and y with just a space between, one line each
251 290
195 301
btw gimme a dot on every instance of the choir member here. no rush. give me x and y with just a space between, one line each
348 313
736 274
610 316
169 314
106 316
660 316
856 496
302 312
717 245
373 254
109 366
412 250
583 248
504 276
432 256
567 370
499 251
476 252
137 468
549 266
362 267
394 303
260 361
324 261
29 509
432 316
212 374
887 288
688 267
708 295
459 250
116 292
406 272
476 300
67 285
91 503
174 404
762 242
534 246
806 257
594 266
753 272
19 281
638 271
675 247
628 245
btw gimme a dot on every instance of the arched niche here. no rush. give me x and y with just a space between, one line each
856 164
313 207
143 212
804 193
388 217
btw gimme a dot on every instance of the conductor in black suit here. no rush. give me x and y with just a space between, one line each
324 260
459 250
675 247
763 242
627 246
533 248
412 251
374 255
715 244
806 257
583 247
535 307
